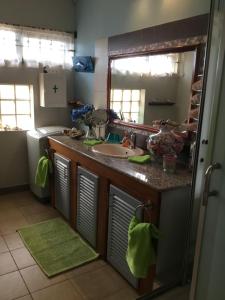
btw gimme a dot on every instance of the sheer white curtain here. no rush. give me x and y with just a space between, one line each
152 65
35 47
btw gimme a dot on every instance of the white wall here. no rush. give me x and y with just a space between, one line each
184 85
53 14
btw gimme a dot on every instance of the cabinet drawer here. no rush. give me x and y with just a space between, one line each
87 198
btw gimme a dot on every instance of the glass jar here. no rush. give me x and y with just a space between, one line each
164 142
169 163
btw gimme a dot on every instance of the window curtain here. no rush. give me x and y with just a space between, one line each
35 47
152 65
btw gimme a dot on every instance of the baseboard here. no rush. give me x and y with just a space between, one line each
17 188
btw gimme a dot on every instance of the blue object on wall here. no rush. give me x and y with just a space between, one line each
83 64
77 113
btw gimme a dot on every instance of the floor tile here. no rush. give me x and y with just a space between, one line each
7 263
12 286
23 258
179 293
3 246
35 279
93 281
5 204
86 268
27 297
43 216
34 208
11 225
10 215
98 284
13 241
125 294
23 198
60 291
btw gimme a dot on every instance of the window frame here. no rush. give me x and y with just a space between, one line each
4 127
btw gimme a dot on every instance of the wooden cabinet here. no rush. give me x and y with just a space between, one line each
121 209
62 184
102 202
87 203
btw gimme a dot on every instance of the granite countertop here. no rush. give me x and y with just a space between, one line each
150 174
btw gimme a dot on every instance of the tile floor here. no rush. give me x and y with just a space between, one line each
21 278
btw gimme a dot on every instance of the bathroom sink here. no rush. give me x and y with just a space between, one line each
116 150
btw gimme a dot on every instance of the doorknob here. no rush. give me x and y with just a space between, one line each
206 192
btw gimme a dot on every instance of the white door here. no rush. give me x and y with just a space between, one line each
208 282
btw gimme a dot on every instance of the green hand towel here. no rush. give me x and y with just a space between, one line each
140 159
44 167
92 142
140 252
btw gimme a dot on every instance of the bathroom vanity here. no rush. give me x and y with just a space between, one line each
99 194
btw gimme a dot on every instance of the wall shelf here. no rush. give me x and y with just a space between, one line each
160 103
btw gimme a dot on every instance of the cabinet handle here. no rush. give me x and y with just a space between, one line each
208 174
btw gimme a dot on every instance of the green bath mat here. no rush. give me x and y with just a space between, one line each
55 246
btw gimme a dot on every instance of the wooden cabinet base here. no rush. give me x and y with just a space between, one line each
108 177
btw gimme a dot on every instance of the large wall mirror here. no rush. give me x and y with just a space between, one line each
153 79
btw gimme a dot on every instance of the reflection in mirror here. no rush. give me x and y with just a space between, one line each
152 87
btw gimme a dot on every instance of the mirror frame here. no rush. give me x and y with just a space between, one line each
121 47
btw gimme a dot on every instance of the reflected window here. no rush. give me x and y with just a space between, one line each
149 65
16 107
128 104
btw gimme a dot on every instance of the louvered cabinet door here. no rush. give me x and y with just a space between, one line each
121 210
87 197
62 184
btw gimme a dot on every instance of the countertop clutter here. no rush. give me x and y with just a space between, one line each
150 174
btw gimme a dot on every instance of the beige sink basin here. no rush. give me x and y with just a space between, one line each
116 150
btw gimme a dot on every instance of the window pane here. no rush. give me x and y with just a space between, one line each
126 117
8 107
126 107
127 95
8 121
31 49
22 92
117 95
23 107
24 122
7 91
134 117
117 106
135 95
135 106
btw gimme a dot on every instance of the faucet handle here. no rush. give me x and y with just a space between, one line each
133 139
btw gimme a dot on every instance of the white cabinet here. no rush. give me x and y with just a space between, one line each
53 90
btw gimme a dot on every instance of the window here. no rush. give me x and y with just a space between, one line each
128 103
16 107
35 47
151 65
